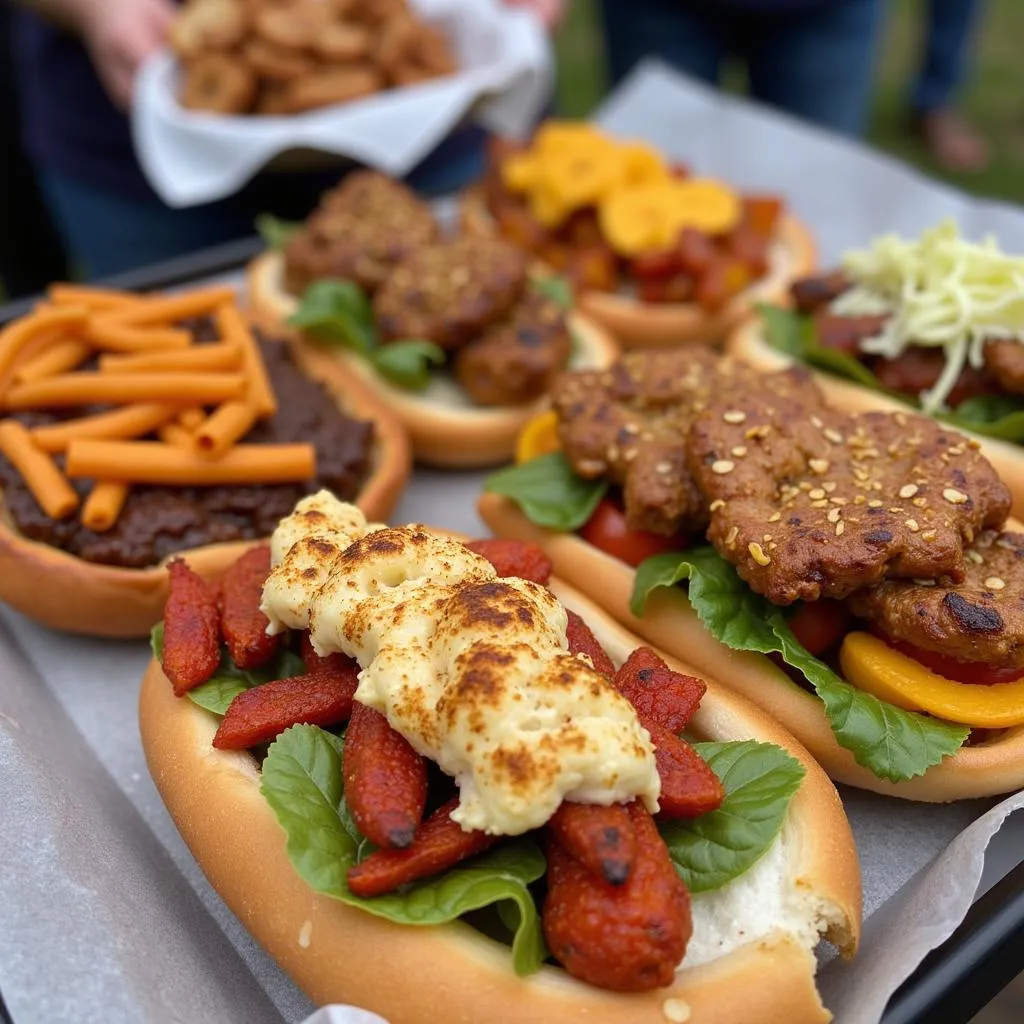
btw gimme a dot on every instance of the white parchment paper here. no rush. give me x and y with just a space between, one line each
104 915
505 77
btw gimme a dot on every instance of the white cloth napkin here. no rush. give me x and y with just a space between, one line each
506 75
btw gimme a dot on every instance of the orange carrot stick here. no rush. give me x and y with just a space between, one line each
104 504
120 424
16 336
63 294
190 419
124 388
55 496
113 336
176 434
234 330
169 309
59 357
228 423
196 358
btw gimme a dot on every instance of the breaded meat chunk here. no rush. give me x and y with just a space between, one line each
360 230
448 293
628 424
980 619
812 502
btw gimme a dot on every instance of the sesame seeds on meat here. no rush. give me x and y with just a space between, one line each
979 619
826 502
628 424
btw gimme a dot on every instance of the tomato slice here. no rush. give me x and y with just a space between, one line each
819 625
606 529
974 672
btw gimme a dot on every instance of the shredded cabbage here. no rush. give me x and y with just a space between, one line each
942 292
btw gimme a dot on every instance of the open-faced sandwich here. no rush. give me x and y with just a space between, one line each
137 427
452 331
438 784
935 324
655 255
852 573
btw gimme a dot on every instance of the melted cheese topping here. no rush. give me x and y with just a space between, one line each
473 670
943 292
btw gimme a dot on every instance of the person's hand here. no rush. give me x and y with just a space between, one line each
549 12
120 35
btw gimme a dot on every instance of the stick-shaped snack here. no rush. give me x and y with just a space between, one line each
226 425
131 421
243 624
114 336
177 435
440 844
264 712
104 504
198 358
191 651
153 462
385 780
62 294
54 495
689 788
192 418
122 389
235 331
600 838
169 309
581 640
622 937
60 357
659 694
15 338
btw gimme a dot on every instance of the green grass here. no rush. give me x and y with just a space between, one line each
992 100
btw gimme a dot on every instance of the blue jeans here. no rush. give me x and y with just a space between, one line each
950 25
107 233
816 64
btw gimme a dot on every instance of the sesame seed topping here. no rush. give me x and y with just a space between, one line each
731 536
766 539
895 511
833 435
995 583
817 494
676 1011
908 490
912 525
830 486
837 501
929 535
739 451
874 503
920 503
953 496
901 419
734 416
833 515
819 504
664 468
722 466
774 517
925 583
975 557
716 505
840 526
859 499
817 422
757 553
818 466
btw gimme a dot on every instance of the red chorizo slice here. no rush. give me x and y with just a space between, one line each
385 780
627 938
689 788
326 663
440 844
264 712
514 558
191 651
582 641
657 692
243 624
600 838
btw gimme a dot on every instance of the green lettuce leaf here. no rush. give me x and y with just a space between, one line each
556 288
549 492
276 233
894 744
791 332
407 363
1000 416
760 780
302 781
337 313
217 693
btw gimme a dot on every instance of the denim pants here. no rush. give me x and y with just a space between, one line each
945 57
107 233
816 64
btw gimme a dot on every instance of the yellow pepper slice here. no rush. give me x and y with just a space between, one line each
538 437
519 172
643 163
640 218
557 135
710 206
872 665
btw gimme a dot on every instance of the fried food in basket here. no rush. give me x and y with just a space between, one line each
281 57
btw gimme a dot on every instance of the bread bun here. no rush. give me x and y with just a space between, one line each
445 428
68 593
748 344
985 769
635 324
421 975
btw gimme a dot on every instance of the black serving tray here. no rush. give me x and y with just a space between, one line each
950 985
